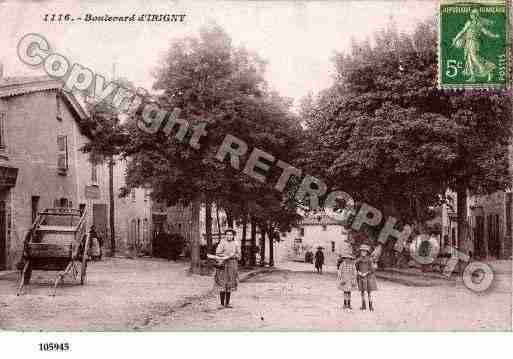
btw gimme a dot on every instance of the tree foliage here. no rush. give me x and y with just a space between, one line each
387 135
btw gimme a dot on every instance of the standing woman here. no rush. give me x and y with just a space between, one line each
226 277
366 267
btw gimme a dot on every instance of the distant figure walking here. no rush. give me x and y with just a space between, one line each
366 267
319 260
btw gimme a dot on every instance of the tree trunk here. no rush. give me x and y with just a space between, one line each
111 208
252 249
262 246
218 222
243 240
229 219
208 224
271 246
461 192
195 240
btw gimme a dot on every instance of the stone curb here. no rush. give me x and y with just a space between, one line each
410 282
193 299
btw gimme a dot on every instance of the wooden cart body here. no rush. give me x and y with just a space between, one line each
57 241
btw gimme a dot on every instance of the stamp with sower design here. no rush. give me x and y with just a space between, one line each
473 50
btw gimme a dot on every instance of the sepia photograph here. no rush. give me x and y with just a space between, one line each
255 166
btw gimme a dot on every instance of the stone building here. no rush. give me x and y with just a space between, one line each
41 164
133 216
491 225
316 230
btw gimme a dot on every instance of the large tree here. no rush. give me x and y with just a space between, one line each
387 135
221 87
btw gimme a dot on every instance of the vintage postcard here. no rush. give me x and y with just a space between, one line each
255 166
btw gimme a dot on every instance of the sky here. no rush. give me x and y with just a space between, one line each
297 38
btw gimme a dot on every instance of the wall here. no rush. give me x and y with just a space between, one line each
131 214
493 204
32 128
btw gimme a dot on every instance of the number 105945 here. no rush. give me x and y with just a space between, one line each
53 347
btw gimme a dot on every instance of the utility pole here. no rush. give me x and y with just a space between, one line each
112 219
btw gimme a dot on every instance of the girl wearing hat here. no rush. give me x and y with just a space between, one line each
366 267
346 276
226 277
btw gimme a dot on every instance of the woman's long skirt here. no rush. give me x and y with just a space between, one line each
227 278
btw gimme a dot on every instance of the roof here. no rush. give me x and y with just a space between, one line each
320 219
20 85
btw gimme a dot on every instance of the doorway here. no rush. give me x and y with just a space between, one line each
3 236
100 221
479 249
494 235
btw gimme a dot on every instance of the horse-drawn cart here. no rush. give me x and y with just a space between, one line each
58 241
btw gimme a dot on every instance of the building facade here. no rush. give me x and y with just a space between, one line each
133 216
41 164
491 225
316 230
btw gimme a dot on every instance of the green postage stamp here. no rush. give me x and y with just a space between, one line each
473 50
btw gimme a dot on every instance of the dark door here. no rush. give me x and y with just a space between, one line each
493 235
35 207
3 241
100 221
479 237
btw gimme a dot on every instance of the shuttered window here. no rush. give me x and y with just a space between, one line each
62 154
3 118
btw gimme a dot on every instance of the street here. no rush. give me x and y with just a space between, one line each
287 300
119 294
150 294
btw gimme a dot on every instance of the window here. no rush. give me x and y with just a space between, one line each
332 247
301 232
82 208
146 194
138 232
35 207
132 194
58 107
62 154
3 117
324 227
146 234
94 173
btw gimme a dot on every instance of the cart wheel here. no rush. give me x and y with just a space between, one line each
83 272
28 274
